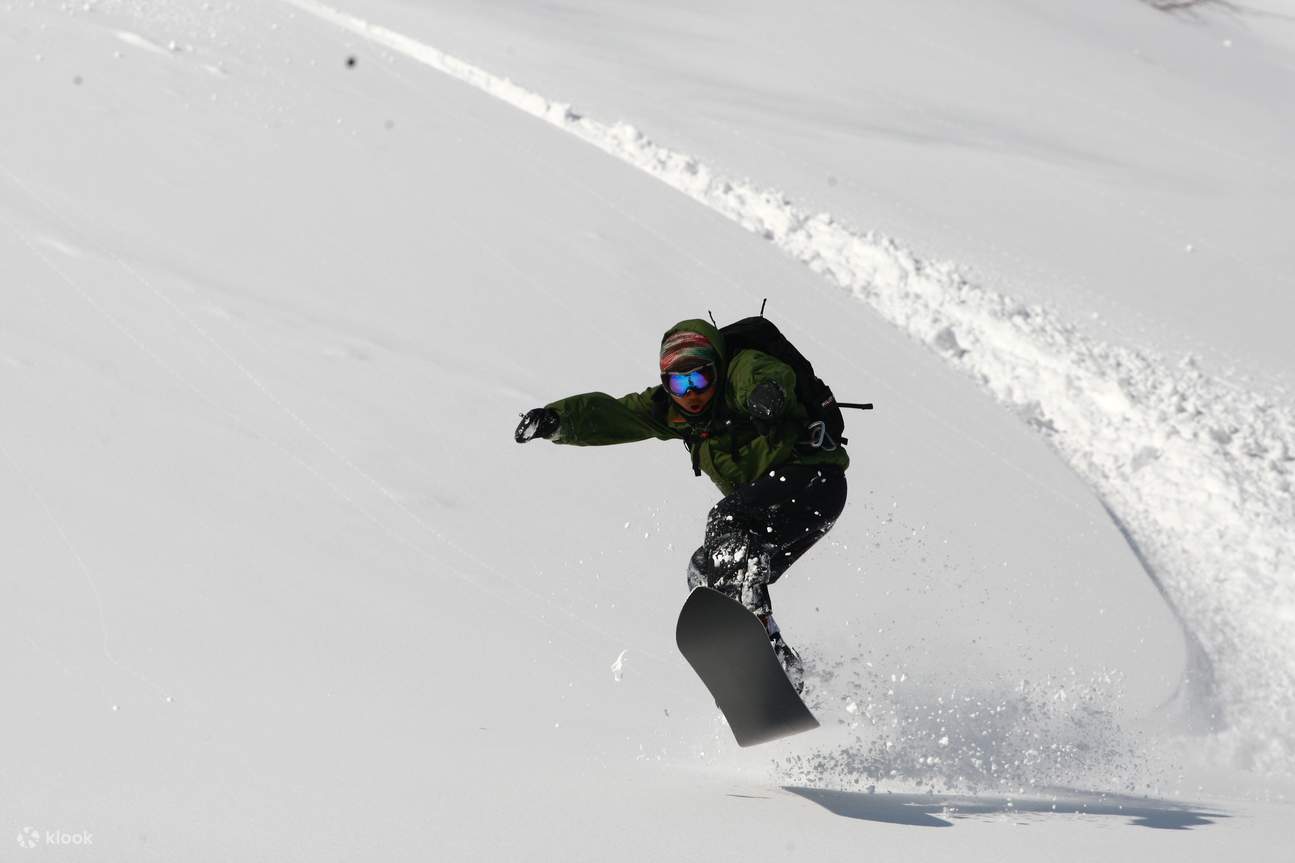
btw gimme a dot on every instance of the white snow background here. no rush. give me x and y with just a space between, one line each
278 584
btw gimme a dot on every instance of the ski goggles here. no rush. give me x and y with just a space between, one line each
697 380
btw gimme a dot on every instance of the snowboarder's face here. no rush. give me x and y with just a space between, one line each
692 389
694 402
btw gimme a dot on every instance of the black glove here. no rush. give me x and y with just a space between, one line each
537 422
766 401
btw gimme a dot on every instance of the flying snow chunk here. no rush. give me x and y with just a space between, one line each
618 667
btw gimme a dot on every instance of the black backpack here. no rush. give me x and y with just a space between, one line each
826 423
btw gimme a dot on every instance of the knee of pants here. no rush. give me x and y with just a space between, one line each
724 558
745 562
727 554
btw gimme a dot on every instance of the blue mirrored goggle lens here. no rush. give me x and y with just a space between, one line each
698 380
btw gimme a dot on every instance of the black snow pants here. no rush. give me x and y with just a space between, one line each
762 528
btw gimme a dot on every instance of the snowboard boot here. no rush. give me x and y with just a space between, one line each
789 659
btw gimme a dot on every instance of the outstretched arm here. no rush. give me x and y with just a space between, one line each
597 419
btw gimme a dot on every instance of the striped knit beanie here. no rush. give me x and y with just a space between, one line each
683 351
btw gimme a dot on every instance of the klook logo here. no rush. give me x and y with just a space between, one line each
30 837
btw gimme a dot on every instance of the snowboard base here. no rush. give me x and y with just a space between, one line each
729 649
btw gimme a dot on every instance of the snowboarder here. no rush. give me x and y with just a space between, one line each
739 416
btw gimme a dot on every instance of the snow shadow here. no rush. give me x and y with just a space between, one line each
939 810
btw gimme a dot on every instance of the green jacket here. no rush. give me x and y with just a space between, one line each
722 440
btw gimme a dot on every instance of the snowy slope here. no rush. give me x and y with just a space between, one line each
1129 166
277 584
1193 468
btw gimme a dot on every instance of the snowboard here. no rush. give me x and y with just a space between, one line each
729 649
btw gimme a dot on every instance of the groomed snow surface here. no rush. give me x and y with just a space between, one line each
278 585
